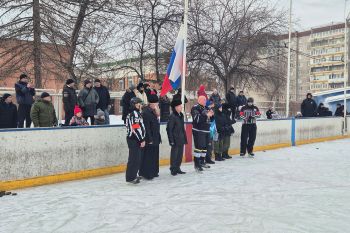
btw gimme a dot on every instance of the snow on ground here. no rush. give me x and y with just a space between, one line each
300 189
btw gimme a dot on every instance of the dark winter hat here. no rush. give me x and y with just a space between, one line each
86 82
140 85
309 94
5 96
97 81
250 100
69 81
135 101
44 94
23 76
153 99
176 102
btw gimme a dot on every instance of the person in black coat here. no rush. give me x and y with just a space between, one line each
224 130
8 112
241 99
177 137
70 99
164 105
150 160
269 113
232 101
322 111
309 107
25 98
339 111
125 102
104 102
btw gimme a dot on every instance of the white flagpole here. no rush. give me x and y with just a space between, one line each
345 62
183 76
289 58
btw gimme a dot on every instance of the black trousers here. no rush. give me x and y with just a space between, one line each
92 119
68 115
209 149
24 115
135 153
201 142
176 154
149 167
248 136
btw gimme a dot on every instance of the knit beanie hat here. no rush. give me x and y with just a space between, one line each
44 94
5 96
69 81
153 99
77 110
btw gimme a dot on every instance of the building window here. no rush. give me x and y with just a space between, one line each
130 81
121 84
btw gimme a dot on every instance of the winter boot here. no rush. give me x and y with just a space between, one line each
202 163
225 155
251 154
218 157
180 172
197 165
136 181
242 154
208 160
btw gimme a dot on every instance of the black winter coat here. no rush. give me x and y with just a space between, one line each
231 99
200 119
241 100
24 95
152 126
8 115
126 103
70 99
104 97
176 129
223 124
164 105
309 108
339 111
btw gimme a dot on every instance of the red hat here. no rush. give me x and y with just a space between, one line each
77 110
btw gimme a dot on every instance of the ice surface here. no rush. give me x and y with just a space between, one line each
300 189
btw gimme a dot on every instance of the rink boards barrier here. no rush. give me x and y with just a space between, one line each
32 157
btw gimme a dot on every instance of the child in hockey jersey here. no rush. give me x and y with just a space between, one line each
78 119
249 113
100 117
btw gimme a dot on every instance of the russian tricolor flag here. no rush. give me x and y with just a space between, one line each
172 80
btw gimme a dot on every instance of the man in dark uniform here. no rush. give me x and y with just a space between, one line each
201 118
248 114
309 107
136 140
69 100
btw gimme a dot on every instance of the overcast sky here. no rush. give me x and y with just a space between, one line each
312 13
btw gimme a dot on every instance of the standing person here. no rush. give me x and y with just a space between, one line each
69 100
43 112
164 105
127 108
136 140
232 101
88 100
150 160
25 93
8 112
210 106
241 99
104 102
309 106
177 96
215 98
140 93
224 130
78 119
248 114
201 134
177 137
201 92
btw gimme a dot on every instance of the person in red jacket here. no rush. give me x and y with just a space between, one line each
201 92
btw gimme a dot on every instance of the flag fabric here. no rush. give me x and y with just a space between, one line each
172 80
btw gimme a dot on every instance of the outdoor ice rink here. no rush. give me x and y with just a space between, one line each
300 189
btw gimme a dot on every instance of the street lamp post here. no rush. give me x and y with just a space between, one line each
346 59
289 58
